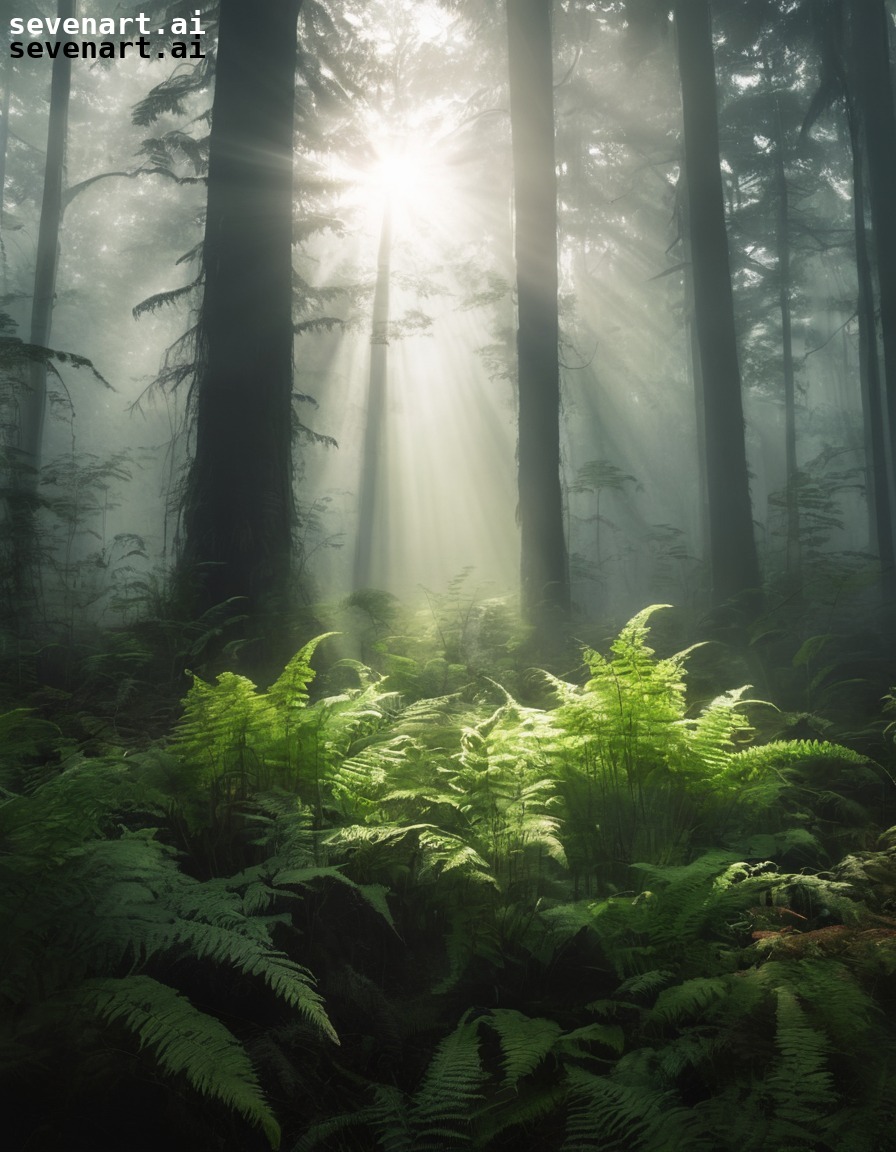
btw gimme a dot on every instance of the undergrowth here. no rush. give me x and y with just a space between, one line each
443 905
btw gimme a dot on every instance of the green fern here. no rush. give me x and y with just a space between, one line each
222 734
443 1106
90 906
608 1116
438 1116
801 1083
184 1041
525 1042
690 999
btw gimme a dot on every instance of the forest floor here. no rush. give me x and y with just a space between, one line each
431 896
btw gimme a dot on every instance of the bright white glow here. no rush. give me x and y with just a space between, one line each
409 169
445 476
401 174
432 22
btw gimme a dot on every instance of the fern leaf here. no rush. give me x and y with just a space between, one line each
255 957
604 1115
290 689
443 1105
690 999
782 754
372 894
525 1041
184 1041
801 1081
390 1119
645 982
324 1130
609 1035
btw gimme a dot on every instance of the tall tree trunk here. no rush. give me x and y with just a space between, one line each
4 138
869 66
877 484
733 559
370 567
238 509
543 568
696 376
782 240
32 408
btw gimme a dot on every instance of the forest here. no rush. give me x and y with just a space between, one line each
448 575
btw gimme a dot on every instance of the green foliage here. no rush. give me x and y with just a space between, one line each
524 1042
643 779
606 1114
588 885
96 913
438 1115
183 1040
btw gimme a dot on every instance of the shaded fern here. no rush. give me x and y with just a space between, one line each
184 1041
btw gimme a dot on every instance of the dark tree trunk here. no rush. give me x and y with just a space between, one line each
543 568
869 67
32 409
733 559
782 239
238 510
696 377
4 137
877 485
370 567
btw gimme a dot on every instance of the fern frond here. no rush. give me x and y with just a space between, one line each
827 987
251 954
801 1082
571 1044
372 894
443 1104
780 755
692 998
445 853
184 1041
525 1041
390 1119
604 1115
290 689
645 982
325 1130
163 299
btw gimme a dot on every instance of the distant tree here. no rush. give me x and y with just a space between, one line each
238 509
544 574
33 401
733 560
370 494
853 52
877 485
774 173
869 70
4 132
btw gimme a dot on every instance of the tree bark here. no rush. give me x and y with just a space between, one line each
238 509
4 137
782 239
543 567
869 66
370 567
33 404
695 374
877 485
733 560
